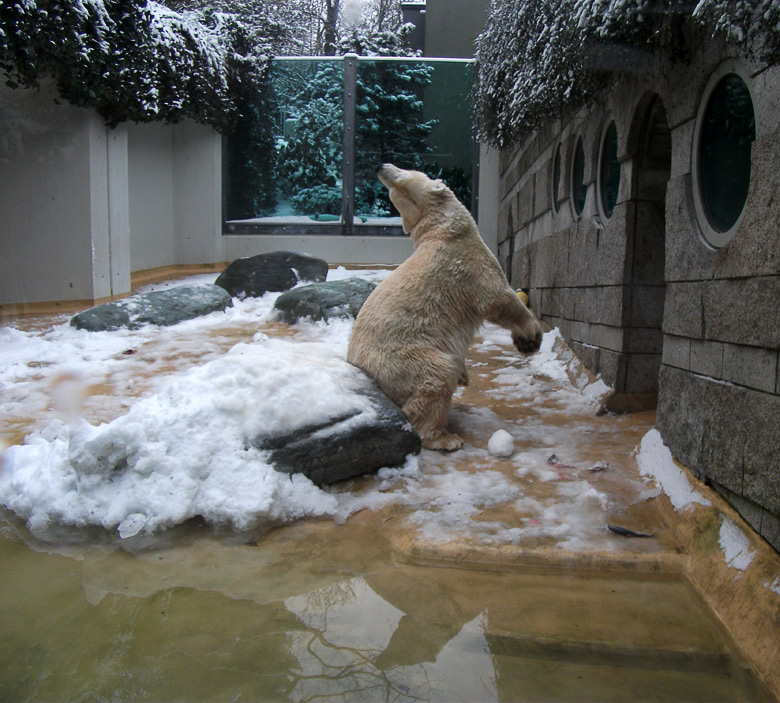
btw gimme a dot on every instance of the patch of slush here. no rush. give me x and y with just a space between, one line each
774 586
656 462
553 377
735 545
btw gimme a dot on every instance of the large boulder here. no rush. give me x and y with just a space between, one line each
164 308
322 301
275 271
350 444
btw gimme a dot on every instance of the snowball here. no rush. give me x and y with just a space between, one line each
501 444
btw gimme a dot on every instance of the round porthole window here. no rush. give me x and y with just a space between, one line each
579 190
609 171
726 130
556 181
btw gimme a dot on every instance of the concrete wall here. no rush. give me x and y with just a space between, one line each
452 26
82 206
640 297
150 185
333 249
487 205
174 185
62 213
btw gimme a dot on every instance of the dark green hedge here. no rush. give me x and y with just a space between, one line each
132 59
539 58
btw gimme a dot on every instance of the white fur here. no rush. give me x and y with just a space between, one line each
414 331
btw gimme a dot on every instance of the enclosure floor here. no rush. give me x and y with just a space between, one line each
586 605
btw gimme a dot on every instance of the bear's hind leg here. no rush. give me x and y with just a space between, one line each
428 406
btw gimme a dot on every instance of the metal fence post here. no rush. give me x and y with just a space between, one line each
348 159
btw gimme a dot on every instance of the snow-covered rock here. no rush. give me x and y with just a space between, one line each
275 271
208 445
374 435
163 308
323 301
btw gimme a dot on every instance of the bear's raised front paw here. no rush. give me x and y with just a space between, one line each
444 441
528 345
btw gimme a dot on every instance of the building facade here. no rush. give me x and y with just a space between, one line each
646 226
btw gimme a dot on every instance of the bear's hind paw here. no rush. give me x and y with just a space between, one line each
444 441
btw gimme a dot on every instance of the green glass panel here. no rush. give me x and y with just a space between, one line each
579 189
727 133
300 158
417 115
610 171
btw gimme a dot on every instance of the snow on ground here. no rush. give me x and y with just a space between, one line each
138 431
656 462
735 545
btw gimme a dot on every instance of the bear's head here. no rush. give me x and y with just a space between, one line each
412 192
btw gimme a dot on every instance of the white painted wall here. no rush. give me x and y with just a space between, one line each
82 206
333 249
150 193
197 196
487 214
51 186
175 186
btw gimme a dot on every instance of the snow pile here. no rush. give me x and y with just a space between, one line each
655 461
735 546
184 452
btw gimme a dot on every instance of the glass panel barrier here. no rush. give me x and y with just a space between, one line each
284 162
284 159
417 115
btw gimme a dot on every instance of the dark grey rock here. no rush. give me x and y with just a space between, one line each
275 271
164 308
349 445
323 301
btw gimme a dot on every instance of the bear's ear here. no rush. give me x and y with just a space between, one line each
438 186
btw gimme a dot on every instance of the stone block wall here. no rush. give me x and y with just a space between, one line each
719 401
703 336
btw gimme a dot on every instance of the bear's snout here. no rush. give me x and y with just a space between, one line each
389 174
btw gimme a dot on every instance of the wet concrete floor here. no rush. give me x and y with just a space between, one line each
522 595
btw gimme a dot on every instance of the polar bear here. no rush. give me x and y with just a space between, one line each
414 330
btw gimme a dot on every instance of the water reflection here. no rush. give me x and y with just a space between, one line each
315 611
359 649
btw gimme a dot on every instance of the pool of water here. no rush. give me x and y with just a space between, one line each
316 611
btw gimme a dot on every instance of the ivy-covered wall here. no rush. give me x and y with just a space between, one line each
132 59
538 59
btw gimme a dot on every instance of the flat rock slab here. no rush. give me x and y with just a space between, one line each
275 271
323 301
164 308
348 445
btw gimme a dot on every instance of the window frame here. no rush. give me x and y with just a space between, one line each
557 162
600 185
709 236
579 145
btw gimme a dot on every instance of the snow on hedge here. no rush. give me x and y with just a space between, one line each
539 58
131 59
